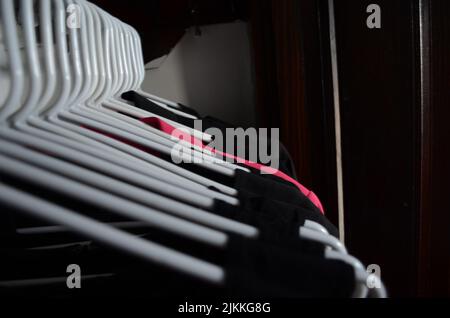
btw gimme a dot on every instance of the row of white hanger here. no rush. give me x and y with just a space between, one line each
72 79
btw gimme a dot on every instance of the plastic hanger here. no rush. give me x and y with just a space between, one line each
33 141
98 149
316 226
14 167
66 85
20 117
361 276
314 235
142 155
129 75
123 190
119 188
26 10
88 116
153 200
140 66
361 290
133 125
17 77
333 252
53 229
65 153
111 203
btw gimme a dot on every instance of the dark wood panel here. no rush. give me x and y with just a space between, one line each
318 102
293 87
379 79
434 257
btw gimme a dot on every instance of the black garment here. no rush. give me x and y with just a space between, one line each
278 264
271 186
275 219
17 220
252 268
278 221
212 122
144 103
7 227
273 195
285 161
271 271
261 268
268 190
283 199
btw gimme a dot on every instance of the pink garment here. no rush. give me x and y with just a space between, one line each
169 129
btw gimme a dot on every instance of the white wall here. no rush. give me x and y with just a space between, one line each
211 73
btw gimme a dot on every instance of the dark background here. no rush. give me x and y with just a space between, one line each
395 101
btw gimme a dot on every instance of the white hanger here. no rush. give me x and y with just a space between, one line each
143 168
361 290
17 76
335 251
139 66
108 235
81 160
36 142
34 71
361 276
121 146
126 191
52 229
17 169
315 226
133 125
163 203
129 243
104 123
35 88
314 235
110 202
120 188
